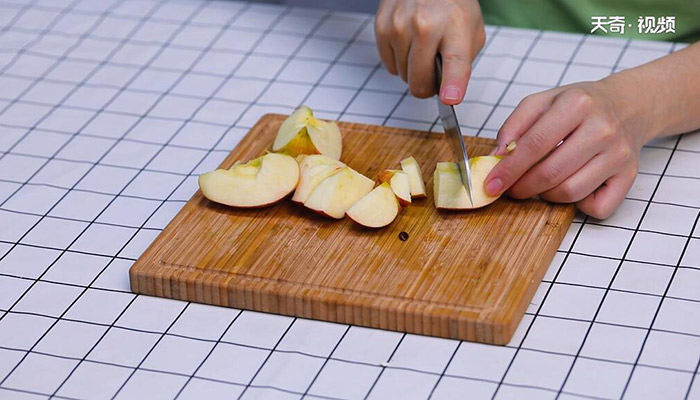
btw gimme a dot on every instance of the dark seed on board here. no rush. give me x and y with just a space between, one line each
403 236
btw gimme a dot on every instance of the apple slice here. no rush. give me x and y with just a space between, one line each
336 193
377 208
450 193
302 133
314 169
400 184
415 176
310 178
257 183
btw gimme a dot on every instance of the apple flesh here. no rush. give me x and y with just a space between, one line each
450 193
302 133
412 169
377 208
399 183
257 183
313 169
335 194
313 160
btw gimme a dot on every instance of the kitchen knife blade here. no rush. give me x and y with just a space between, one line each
454 134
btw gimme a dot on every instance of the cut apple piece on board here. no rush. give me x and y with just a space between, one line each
377 208
302 133
313 169
334 195
410 166
399 183
450 192
258 183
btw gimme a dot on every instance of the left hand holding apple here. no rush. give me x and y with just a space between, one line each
575 144
603 126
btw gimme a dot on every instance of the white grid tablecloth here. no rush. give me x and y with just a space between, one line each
110 108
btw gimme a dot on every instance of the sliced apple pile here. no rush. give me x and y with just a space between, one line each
306 157
399 183
376 209
302 133
412 169
450 193
257 183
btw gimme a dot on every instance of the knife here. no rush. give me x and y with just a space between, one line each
454 134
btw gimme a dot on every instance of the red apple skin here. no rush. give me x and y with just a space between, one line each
373 227
385 176
369 227
272 203
403 202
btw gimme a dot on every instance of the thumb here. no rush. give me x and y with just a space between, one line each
456 69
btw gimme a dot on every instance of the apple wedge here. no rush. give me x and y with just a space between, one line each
302 133
258 183
335 194
313 169
376 209
410 166
312 160
450 194
399 183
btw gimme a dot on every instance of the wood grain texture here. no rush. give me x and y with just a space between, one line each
465 275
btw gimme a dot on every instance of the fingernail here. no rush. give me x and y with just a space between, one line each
494 186
494 151
451 93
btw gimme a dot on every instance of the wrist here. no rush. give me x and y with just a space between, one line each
633 104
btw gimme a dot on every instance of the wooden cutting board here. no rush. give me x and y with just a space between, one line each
465 275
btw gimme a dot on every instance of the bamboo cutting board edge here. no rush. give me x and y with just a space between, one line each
494 324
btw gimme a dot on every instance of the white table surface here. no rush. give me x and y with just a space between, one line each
110 109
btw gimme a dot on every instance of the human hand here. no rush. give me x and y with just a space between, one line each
411 32
603 127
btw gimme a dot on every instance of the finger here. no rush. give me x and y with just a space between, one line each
584 181
605 200
382 33
456 67
386 53
562 118
529 110
421 65
580 147
401 46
